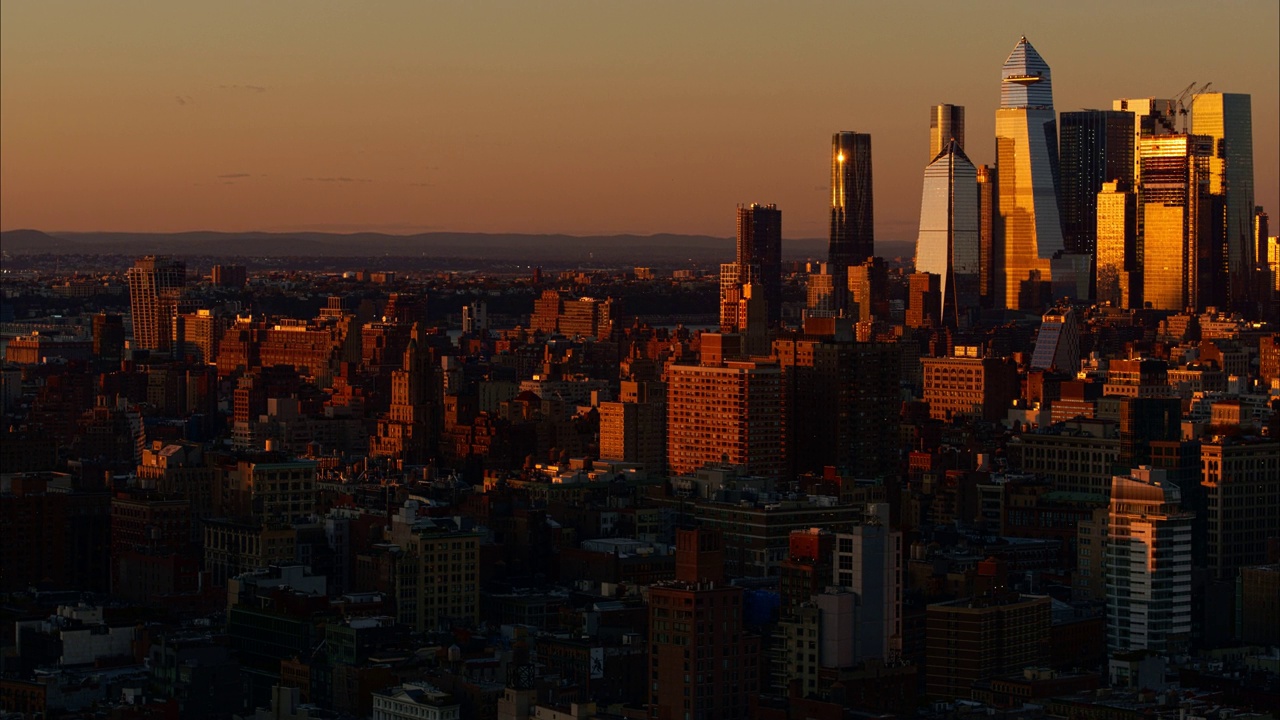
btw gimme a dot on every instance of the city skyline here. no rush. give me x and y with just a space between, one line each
219 119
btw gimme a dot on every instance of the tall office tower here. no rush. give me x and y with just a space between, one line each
852 229
704 665
1240 478
946 123
1151 116
1179 247
948 244
1227 118
1118 277
725 411
868 561
1030 231
1096 146
760 245
986 177
1148 564
1058 343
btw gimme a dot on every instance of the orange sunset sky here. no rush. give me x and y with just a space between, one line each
574 117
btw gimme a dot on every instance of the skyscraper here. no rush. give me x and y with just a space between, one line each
1030 231
1181 265
852 230
946 123
155 284
1151 116
948 243
986 234
1118 273
1096 147
1227 118
1148 564
760 245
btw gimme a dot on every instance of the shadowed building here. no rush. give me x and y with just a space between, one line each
1097 147
852 230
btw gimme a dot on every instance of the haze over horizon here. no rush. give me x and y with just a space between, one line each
554 118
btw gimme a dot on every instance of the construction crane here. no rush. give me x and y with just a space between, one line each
1191 92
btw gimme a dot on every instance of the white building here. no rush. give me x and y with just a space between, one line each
1148 564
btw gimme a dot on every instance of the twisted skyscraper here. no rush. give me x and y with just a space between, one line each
1030 232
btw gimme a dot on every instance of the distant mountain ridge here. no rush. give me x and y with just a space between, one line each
635 249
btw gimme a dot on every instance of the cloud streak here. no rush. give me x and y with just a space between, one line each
337 179
245 88
235 175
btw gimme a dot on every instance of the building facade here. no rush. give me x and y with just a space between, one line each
948 243
852 238
1026 169
1148 564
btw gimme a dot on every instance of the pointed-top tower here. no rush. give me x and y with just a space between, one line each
1029 231
1025 79
947 245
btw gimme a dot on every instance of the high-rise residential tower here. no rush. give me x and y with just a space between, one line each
1030 231
1148 564
852 229
946 123
1227 118
155 284
1096 147
948 244
760 245
1181 252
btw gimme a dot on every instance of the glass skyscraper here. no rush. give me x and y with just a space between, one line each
1096 147
1026 175
1118 272
948 244
945 123
1227 118
852 230
1181 249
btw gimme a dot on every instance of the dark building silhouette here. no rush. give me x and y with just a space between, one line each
760 245
1095 146
852 230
